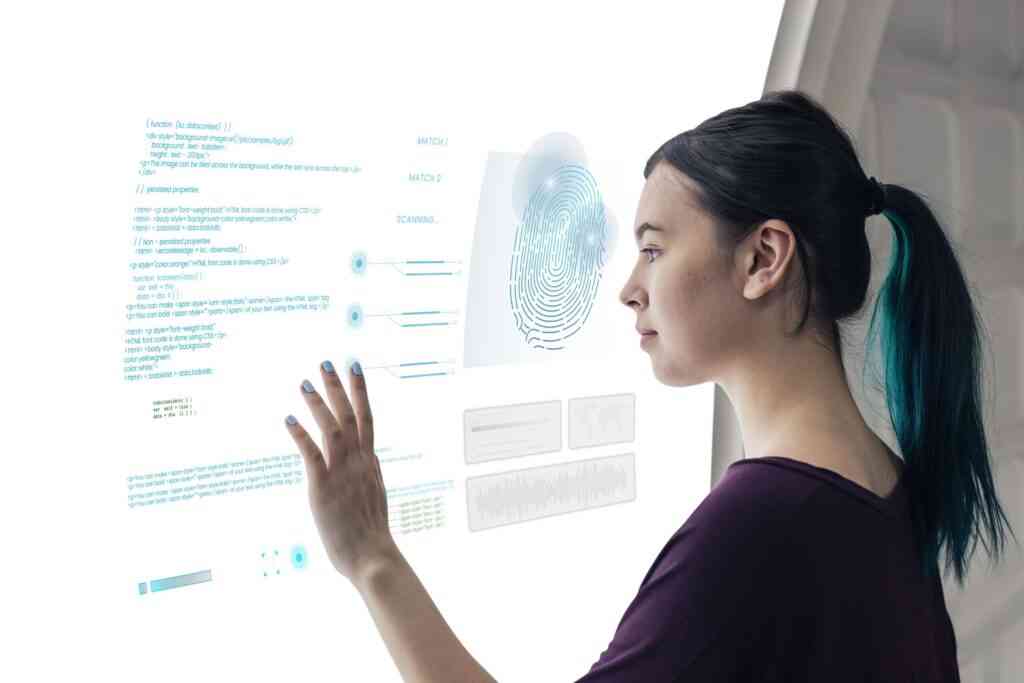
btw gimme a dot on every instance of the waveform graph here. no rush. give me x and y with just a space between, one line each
524 495
543 237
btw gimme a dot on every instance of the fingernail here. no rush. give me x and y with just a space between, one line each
307 386
291 419
357 368
327 366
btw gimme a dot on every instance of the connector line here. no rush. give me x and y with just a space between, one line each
419 262
437 365
393 318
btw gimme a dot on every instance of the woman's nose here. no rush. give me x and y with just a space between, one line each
631 293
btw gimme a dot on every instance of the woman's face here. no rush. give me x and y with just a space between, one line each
682 285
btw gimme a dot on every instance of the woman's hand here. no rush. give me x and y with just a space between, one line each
346 489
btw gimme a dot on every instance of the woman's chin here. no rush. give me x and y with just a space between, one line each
672 376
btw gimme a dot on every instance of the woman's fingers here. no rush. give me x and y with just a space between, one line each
315 466
361 404
347 426
333 434
339 402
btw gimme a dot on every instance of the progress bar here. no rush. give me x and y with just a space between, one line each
170 582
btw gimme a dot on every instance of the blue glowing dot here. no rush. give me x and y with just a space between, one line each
299 557
359 262
355 315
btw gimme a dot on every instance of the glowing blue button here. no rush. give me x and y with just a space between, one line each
299 557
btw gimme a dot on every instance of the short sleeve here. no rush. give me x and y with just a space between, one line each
705 593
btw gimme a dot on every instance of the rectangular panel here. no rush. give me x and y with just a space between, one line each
602 420
501 432
523 495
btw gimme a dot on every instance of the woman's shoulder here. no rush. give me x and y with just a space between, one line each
831 488
760 490
749 512
748 519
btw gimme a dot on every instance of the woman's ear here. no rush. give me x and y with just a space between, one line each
764 258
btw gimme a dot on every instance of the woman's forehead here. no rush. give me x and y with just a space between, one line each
667 199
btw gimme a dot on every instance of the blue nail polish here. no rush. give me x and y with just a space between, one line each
307 386
291 420
327 366
357 368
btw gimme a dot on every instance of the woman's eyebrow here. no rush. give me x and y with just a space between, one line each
644 227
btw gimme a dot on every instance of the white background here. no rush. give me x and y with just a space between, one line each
534 601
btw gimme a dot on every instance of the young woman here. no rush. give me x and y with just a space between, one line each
818 558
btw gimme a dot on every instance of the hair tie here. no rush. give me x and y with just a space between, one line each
877 200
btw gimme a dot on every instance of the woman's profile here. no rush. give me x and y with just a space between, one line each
816 558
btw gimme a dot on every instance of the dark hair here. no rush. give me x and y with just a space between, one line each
783 156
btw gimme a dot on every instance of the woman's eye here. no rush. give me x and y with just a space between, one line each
650 251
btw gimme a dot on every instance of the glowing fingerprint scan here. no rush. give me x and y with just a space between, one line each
552 231
557 257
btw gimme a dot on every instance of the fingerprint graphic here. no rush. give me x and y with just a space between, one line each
560 247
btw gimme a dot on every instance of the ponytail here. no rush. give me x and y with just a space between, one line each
930 345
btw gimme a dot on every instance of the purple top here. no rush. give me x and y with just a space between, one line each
786 572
